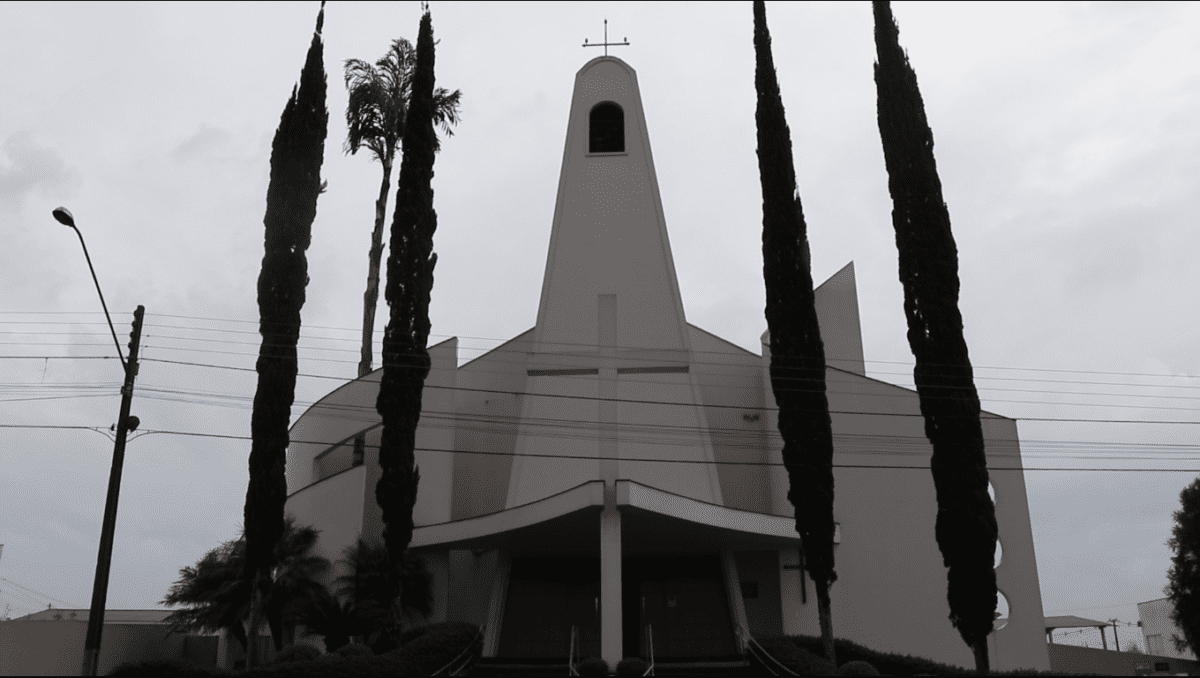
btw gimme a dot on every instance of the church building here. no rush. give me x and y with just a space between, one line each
612 476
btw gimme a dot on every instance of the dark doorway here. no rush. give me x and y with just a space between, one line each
682 600
546 597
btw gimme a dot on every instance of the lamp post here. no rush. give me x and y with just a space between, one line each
125 424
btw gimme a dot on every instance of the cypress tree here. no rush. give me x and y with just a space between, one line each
409 283
966 518
1183 587
296 155
797 353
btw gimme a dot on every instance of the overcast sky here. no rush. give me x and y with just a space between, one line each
1067 146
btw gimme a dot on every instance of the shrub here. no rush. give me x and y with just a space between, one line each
354 650
632 666
300 652
593 666
166 667
797 658
425 654
888 663
857 668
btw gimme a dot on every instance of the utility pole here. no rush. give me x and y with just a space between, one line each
125 424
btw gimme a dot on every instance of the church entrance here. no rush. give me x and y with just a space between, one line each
546 597
682 601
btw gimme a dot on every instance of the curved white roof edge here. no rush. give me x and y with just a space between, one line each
589 494
637 495
568 501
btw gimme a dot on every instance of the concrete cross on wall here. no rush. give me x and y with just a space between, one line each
606 44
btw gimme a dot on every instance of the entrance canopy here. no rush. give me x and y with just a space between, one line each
653 521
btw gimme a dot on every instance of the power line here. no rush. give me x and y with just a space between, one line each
731 364
58 357
37 593
505 340
680 404
859 451
229 436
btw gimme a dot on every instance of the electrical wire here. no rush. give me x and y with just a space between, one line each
680 404
379 332
37 593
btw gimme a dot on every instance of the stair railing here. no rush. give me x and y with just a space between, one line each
650 646
768 662
571 659
459 665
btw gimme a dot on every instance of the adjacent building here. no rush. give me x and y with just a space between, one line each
1160 630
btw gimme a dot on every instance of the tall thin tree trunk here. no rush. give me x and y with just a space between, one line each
982 665
371 296
406 360
797 352
825 615
257 601
296 155
374 258
966 527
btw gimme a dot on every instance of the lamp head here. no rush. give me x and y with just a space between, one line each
63 215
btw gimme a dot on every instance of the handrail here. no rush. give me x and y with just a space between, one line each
760 653
446 670
571 654
650 636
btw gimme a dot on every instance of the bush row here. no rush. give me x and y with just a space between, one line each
424 652
887 663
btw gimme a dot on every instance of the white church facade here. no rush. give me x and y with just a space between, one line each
616 468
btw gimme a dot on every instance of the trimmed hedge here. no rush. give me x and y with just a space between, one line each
167 667
354 650
797 658
888 663
857 668
592 666
300 652
424 654
632 666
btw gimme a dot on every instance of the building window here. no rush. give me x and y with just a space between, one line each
606 128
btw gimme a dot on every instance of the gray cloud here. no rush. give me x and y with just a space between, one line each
202 145
26 166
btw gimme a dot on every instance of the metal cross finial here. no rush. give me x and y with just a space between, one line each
606 44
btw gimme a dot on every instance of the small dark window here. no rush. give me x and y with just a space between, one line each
1162 666
606 128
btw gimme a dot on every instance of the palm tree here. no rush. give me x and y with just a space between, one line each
322 613
375 116
295 578
366 582
214 592
217 597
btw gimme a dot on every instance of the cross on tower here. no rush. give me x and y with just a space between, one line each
606 44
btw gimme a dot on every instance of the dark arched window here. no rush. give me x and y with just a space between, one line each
606 128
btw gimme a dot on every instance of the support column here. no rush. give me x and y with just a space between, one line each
496 604
611 636
733 592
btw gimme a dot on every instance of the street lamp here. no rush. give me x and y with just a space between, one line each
125 424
